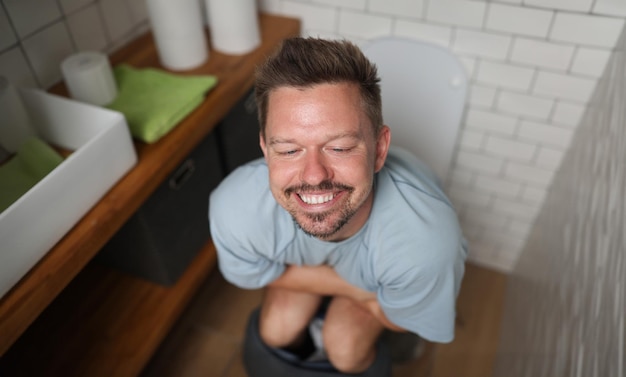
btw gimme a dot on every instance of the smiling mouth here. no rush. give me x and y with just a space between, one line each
325 192
316 199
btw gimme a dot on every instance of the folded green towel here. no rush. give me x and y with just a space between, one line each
32 162
155 101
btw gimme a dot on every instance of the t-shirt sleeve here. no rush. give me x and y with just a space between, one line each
419 281
421 300
240 264
245 250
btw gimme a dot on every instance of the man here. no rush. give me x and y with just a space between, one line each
333 211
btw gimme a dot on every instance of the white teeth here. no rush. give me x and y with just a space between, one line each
316 199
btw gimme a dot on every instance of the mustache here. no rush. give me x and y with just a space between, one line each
322 186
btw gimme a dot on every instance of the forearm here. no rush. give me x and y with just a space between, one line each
324 280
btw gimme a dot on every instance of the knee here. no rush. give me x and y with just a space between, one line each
280 327
349 354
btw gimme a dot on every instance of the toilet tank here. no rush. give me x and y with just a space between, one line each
424 88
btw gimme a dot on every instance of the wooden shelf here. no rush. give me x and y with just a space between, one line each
104 323
111 294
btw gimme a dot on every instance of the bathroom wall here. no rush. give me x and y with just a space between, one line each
532 66
565 310
36 35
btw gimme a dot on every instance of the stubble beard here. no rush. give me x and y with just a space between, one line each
317 224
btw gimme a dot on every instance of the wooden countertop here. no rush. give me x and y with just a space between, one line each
37 289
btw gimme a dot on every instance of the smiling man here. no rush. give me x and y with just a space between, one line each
335 216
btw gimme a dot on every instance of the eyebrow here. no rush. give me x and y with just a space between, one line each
351 135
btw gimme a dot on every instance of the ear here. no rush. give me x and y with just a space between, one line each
262 144
383 142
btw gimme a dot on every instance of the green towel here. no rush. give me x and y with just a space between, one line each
33 161
155 101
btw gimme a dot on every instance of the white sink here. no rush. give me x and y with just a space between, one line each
103 153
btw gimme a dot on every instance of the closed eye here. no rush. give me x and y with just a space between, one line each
341 150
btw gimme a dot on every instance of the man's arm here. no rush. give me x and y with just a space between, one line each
324 280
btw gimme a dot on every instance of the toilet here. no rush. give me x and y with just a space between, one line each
424 88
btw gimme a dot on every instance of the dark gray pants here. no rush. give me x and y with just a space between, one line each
261 360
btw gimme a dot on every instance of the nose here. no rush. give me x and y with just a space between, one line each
315 169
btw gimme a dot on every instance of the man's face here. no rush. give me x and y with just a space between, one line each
322 154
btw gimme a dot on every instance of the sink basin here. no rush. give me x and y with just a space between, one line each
102 153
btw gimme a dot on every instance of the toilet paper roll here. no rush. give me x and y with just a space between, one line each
15 127
178 30
234 26
89 78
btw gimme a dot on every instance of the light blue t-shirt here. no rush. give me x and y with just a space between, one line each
411 251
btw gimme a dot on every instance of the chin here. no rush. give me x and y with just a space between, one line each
320 226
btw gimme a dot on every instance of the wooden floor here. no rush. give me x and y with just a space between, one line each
207 340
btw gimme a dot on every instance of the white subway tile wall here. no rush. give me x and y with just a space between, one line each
565 304
532 64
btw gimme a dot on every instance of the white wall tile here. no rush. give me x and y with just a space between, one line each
573 5
549 158
70 6
402 8
481 44
15 67
528 174
564 86
524 105
542 54
117 19
507 247
590 61
545 134
28 16
461 177
575 28
313 17
456 12
440 35
515 209
534 194
504 75
518 20
469 64
46 50
363 25
610 7
7 36
87 30
490 220
469 197
479 162
489 121
139 10
349 4
472 139
505 261
497 185
510 149
481 95
568 114
520 227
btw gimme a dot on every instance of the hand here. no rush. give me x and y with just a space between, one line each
374 308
